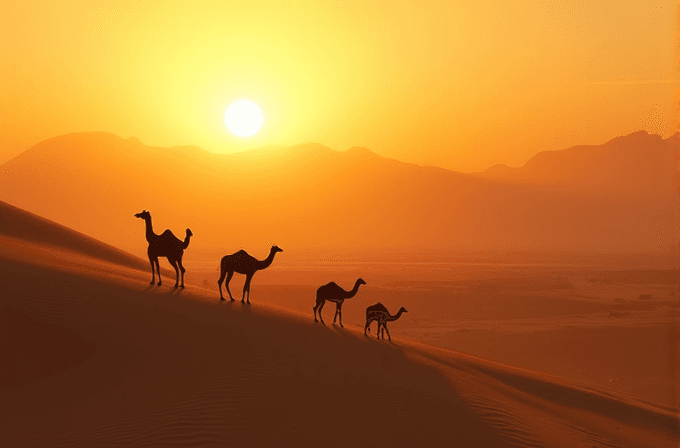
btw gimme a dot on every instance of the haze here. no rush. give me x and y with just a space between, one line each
461 85
498 183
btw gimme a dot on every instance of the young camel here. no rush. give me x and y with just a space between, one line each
164 245
243 263
379 313
333 293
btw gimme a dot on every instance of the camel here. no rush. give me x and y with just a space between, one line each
164 245
379 312
243 263
333 293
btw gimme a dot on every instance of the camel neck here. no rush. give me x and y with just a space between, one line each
267 261
354 290
396 316
187 238
149 230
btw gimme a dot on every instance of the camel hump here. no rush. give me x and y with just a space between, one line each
327 290
329 287
170 237
377 307
237 257
168 233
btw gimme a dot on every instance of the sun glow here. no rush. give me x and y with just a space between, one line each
243 118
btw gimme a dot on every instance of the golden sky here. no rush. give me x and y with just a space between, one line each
459 84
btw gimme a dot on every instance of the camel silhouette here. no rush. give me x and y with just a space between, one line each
333 293
379 312
243 263
164 245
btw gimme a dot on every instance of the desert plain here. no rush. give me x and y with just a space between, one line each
489 354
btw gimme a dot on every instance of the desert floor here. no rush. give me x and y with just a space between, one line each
95 356
610 326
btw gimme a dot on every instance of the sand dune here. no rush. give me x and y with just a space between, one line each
23 226
20 224
94 356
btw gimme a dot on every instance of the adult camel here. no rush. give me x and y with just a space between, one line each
164 245
243 263
333 293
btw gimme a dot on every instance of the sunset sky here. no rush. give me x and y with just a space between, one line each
458 84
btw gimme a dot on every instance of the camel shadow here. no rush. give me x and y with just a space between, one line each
375 342
355 335
235 305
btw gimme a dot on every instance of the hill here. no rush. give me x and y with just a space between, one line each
95 357
638 165
310 196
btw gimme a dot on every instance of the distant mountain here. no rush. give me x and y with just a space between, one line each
310 196
638 165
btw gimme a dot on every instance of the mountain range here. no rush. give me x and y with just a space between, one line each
615 197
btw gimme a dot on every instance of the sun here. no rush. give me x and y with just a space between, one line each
243 118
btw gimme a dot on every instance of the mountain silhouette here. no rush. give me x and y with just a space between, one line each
638 165
612 197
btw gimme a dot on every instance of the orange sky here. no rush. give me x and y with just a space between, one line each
459 84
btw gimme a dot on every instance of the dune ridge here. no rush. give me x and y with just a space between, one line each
19 224
97 357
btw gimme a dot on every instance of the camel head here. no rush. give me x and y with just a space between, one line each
144 215
360 281
189 232
275 249
402 310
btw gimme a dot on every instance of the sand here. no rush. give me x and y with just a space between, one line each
95 356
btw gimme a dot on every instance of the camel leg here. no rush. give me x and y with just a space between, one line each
219 283
153 272
173 262
246 288
388 332
377 333
223 274
182 270
367 326
314 308
319 310
229 276
339 312
158 271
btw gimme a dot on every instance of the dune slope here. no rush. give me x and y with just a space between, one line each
94 356
23 226
20 224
